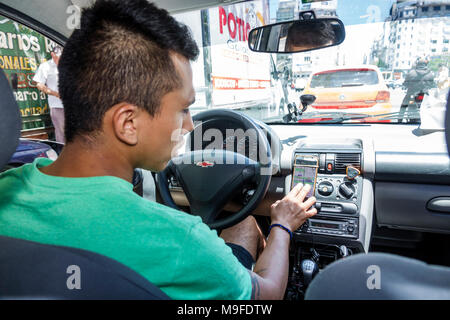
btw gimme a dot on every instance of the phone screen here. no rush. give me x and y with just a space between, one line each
305 172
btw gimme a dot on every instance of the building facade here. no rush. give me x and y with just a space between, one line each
416 29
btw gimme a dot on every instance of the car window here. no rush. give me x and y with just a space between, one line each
392 66
22 51
344 78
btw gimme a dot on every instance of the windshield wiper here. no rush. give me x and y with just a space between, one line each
355 116
335 117
408 115
340 117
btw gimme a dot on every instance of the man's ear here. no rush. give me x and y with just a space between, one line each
124 123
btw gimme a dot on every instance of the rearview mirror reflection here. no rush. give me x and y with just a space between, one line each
297 36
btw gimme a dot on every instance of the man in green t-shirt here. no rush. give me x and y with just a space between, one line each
126 85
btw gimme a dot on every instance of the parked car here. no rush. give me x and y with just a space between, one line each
28 150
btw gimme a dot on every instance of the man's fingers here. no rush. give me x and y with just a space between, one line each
303 192
275 203
308 203
310 213
295 190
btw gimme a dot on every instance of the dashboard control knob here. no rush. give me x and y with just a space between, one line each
325 188
350 229
318 206
347 190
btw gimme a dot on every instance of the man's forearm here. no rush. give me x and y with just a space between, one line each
269 279
47 90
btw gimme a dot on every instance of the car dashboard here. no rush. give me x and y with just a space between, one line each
403 187
404 173
404 181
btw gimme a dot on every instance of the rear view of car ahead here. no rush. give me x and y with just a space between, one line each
351 89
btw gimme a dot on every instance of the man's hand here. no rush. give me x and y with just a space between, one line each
291 211
42 87
269 279
52 93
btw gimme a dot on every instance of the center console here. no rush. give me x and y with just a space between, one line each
338 189
338 229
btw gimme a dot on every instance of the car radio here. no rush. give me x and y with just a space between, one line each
331 227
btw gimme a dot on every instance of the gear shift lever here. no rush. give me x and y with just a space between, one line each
309 270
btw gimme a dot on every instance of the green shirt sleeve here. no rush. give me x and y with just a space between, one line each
207 269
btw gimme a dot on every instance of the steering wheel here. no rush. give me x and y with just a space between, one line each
211 177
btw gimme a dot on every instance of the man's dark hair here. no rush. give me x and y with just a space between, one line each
310 33
120 53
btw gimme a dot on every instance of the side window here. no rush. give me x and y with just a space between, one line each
22 50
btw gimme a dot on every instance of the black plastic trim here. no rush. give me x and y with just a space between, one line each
37 26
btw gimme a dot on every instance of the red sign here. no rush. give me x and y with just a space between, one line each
222 83
236 25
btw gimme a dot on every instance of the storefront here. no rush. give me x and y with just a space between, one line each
22 50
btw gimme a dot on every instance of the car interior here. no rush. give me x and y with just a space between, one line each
382 189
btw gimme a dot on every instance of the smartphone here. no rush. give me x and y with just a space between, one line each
305 171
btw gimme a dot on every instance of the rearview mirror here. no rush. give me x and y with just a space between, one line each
297 36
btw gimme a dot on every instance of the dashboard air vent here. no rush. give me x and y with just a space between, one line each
343 160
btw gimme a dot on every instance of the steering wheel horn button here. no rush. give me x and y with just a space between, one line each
205 164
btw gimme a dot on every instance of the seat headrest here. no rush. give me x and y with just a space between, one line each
10 121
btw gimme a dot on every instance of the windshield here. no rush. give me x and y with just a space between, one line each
391 68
